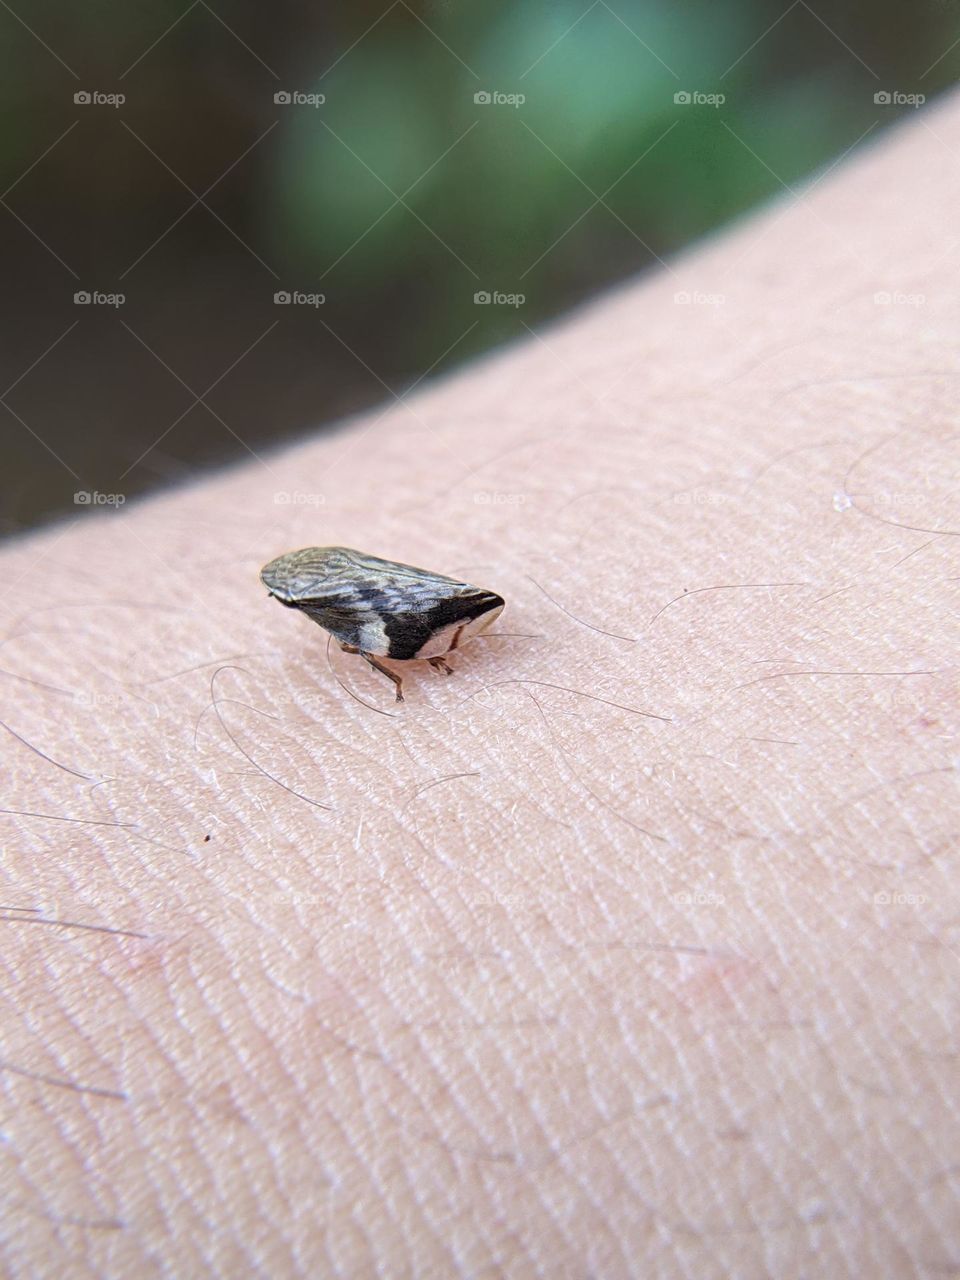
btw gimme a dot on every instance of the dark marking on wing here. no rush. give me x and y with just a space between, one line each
408 632
343 622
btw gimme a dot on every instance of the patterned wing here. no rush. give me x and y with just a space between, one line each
382 607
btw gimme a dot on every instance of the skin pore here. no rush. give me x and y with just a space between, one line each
631 948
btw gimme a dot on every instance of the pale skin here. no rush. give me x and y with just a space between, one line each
631 948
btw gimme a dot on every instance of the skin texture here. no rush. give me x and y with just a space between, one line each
632 948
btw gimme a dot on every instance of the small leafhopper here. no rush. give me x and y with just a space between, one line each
381 609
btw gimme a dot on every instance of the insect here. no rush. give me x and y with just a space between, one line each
381 609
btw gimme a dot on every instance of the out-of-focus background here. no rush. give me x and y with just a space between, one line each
227 222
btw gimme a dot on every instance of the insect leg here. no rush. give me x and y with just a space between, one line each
391 675
441 664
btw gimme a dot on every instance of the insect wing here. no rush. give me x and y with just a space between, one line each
380 606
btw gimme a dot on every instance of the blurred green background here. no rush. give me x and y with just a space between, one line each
398 197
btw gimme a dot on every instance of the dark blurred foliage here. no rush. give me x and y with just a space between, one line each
398 198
